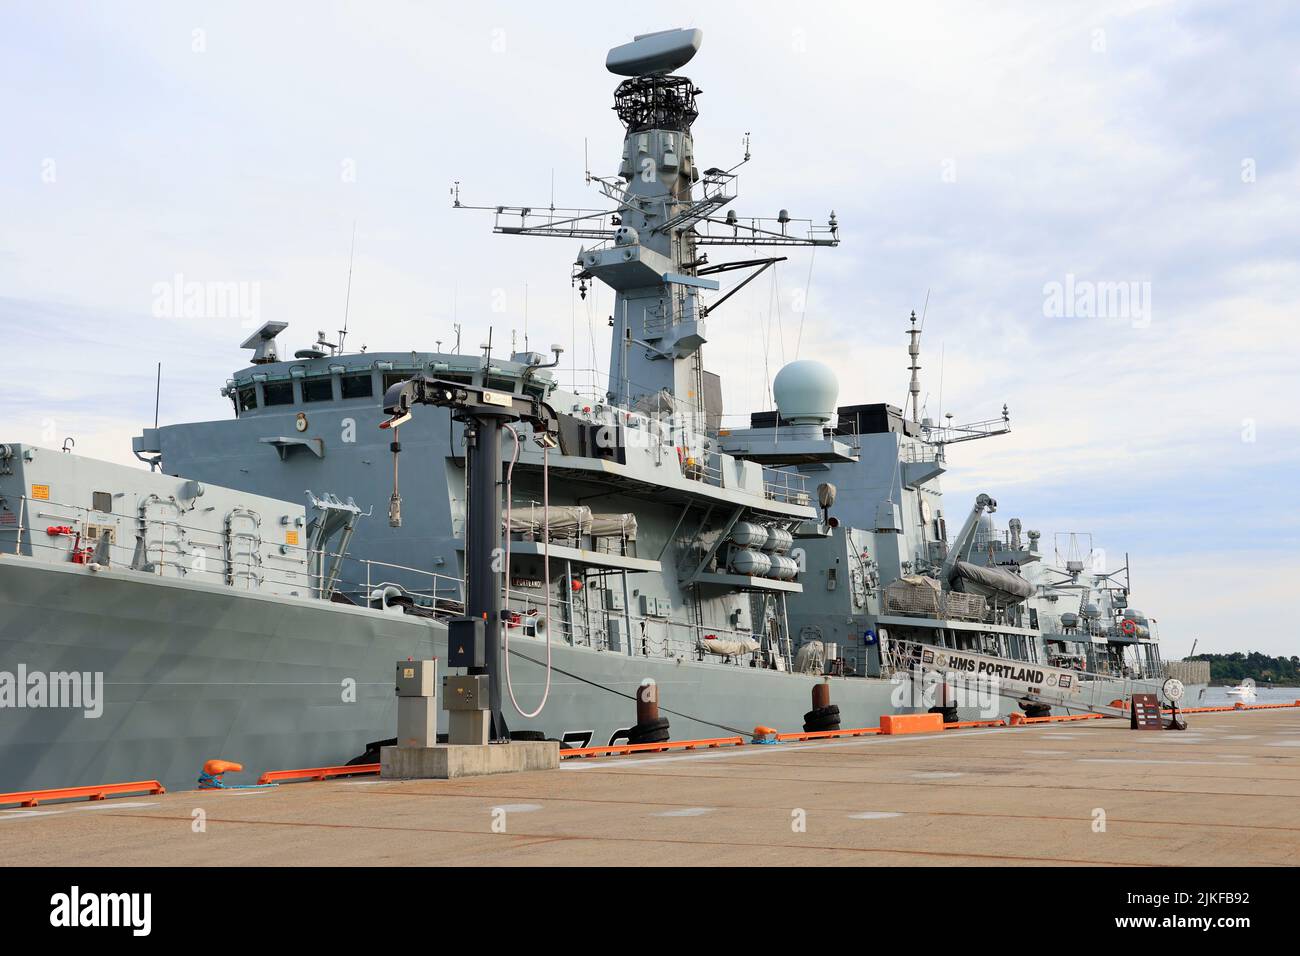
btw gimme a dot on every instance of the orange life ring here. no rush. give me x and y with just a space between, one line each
1129 626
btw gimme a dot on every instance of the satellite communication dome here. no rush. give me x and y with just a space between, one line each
805 392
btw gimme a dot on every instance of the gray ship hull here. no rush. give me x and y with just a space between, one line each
190 672
193 672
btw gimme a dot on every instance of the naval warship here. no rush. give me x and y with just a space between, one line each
746 574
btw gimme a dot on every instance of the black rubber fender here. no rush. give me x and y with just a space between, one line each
822 713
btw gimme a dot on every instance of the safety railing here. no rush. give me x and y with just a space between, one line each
32 798
1018 719
205 555
786 486
618 749
445 586
828 734
575 621
920 454
318 773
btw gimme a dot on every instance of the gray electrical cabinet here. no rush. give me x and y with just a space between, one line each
466 701
417 703
417 678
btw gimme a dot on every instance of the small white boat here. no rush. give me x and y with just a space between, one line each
1245 691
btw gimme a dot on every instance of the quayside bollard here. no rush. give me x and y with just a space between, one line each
824 715
650 727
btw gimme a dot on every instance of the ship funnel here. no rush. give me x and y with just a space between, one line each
650 54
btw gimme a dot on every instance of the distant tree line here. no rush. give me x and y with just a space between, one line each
1264 669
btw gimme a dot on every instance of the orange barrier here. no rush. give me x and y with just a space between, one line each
911 723
32 798
652 748
1233 707
318 773
1018 719
974 723
823 734
1265 706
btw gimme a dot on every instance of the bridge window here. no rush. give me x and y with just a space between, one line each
392 378
246 399
319 389
358 386
277 393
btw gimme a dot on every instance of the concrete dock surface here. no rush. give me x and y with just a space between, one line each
1089 792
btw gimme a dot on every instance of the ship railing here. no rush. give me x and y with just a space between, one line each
187 564
579 625
921 454
592 386
786 486
706 468
444 586
1096 691
534 529
205 554
205 545
242 572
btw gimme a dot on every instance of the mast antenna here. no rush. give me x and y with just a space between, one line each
914 352
347 302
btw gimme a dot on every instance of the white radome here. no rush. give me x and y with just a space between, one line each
806 392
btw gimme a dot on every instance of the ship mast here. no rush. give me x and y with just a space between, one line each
947 434
914 350
664 208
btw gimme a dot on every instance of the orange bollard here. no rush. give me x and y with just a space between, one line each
213 770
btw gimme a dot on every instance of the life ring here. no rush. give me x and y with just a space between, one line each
1129 626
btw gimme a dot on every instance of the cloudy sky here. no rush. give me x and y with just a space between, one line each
1100 199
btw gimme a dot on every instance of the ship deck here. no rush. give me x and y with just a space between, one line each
1226 789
